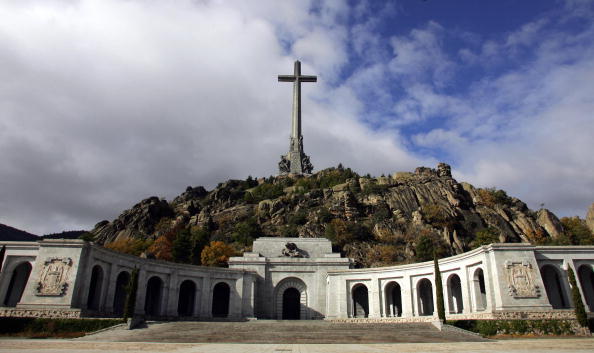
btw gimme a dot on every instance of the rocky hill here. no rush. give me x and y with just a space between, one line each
382 220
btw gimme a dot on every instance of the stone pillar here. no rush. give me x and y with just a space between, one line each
197 299
466 292
105 286
172 295
206 305
111 288
374 299
408 295
141 293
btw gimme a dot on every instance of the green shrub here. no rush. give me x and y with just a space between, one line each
325 216
264 191
245 232
485 237
36 327
487 327
580 310
131 290
515 327
299 218
438 289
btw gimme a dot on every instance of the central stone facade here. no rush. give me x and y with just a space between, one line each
291 275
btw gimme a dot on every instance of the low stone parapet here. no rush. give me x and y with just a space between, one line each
41 313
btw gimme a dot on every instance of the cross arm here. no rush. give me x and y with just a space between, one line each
286 78
308 78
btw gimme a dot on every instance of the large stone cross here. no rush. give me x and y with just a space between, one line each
296 162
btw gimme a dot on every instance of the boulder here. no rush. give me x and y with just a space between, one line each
549 222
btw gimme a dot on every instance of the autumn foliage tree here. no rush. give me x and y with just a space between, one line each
132 246
217 253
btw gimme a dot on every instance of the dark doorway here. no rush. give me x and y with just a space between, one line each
94 298
393 300
291 304
220 300
553 287
18 281
360 301
152 303
187 294
425 290
455 295
119 298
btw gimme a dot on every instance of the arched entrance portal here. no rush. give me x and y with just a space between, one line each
119 298
18 281
291 304
553 287
586 276
187 294
360 301
291 300
94 298
220 300
425 297
152 303
393 300
455 295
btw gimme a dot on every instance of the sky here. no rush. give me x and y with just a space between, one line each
104 103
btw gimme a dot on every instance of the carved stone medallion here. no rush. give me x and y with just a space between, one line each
53 277
520 280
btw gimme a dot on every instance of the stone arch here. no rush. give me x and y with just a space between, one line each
18 282
154 293
480 291
360 297
586 278
95 287
221 294
393 295
554 287
187 296
287 300
425 297
119 298
455 304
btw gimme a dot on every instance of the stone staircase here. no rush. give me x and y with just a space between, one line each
286 332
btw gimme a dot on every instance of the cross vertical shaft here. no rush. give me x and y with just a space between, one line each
296 162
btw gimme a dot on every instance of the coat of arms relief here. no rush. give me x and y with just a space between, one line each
53 277
521 280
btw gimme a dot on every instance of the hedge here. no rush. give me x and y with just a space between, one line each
35 327
516 327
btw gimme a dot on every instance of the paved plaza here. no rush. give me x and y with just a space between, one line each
513 346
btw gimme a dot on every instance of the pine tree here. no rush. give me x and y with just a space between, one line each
131 290
181 249
438 289
580 310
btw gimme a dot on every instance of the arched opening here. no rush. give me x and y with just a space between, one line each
455 295
553 287
586 276
425 290
119 298
220 300
393 296
187 295
152 302
291 299
18 282
480 292
360 301
291 304
94 297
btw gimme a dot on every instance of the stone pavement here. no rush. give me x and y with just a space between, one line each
514 346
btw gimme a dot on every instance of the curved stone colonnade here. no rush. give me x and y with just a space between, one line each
91 281
294 278
494 281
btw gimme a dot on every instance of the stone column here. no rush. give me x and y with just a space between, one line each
105 286
172 295
206 306
408 295
111 288
466 292
141 293
374 299
197 299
